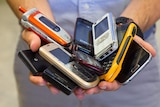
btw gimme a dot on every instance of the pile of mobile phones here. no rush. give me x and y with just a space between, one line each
98 51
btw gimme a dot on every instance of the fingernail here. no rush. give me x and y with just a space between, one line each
42 83
103 87
80 91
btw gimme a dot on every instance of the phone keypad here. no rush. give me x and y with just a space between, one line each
108 62
83 73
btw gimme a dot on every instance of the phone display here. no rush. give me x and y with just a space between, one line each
104 37
63 61
136 58
88 62
83 36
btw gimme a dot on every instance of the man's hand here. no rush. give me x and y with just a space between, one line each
34 42
112 86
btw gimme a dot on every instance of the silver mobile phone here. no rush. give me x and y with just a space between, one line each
136 59
63 61
104 37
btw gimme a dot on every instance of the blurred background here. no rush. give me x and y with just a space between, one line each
9 33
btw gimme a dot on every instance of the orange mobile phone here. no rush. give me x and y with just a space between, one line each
45 28
115 68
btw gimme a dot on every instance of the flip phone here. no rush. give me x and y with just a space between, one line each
49 31
83 36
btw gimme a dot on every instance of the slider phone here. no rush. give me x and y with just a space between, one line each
59 80
105 40
89 62
83 36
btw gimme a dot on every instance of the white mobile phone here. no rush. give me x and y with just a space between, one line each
49 31
105 40
63 61
136 59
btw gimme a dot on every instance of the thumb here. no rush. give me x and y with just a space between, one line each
146 45
32 39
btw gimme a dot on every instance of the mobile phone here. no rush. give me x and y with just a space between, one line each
114 67
34 62
49 31
104 37
121 30
63 61
83 36
88 62
59 80
137 57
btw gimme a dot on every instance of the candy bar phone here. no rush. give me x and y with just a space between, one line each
49 31
136 59
88 62
83 36
104 37
114 69
34 62
58 80
63 60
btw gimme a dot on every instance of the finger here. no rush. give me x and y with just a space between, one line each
32 39
37 80
79 93
94 90
109 86
53 89
146 45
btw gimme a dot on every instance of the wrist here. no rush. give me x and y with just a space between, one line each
125 20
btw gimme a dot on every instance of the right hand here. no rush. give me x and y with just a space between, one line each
34 43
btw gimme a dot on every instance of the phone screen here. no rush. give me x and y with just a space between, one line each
101 27
83 31
62 56
136 58
49 23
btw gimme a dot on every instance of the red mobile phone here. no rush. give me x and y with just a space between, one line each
88 62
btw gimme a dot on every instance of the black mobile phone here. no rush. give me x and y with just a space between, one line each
83 36
136 58
59 80
34 62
